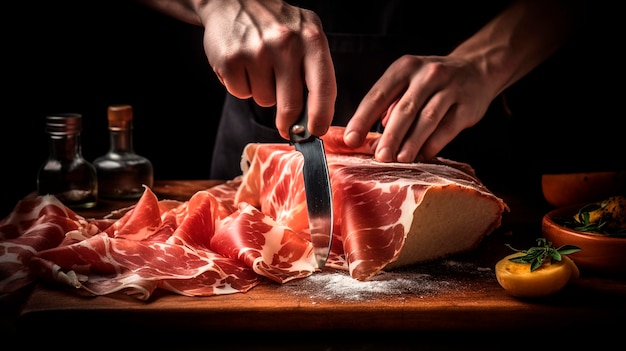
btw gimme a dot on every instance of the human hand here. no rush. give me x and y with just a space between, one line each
424 102
269 51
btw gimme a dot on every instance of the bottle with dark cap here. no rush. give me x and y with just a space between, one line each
122 173
66 174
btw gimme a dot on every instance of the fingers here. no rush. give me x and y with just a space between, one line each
443 134
396 99
411 124
316 74
319 75
262 82
421 136
274 62
249 73
234 77
289 97
377 104
387 114
423 102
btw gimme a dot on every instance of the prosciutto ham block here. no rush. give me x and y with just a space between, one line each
228 238
387 215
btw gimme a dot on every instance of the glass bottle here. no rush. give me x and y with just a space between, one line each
66 174
121 172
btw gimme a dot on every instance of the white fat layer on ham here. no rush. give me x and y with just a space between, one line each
381 218
407 206
84 232
274 244
226 239
67 278
27 210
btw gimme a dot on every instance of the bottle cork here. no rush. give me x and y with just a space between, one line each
120 117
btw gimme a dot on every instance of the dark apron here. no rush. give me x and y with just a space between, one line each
364 39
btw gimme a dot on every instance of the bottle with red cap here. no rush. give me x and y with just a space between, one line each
122 173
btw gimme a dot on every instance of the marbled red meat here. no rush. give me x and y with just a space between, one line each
149 248
36 224
386 215
227 238
271 249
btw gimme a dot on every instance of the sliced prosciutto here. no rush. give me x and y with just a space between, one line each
202 247
228 238
271 249
148 248
205 246
37 223
387 215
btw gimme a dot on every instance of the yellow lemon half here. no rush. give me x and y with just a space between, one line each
519 281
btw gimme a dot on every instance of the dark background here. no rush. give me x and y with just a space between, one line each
75 56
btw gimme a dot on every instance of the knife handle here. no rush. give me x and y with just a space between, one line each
299 131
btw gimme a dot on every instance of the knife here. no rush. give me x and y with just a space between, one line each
316 186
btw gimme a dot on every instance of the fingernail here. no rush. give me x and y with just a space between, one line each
352 139
384 155
405 157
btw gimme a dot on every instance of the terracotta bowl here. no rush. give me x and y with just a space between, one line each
567 189
599 254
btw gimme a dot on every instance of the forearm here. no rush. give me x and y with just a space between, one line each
519 39
183 10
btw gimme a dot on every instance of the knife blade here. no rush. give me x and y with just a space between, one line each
316 186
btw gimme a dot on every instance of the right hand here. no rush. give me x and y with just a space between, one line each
269 51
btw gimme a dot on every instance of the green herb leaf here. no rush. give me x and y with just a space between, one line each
581 222
544 249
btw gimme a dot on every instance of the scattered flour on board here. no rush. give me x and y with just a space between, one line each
425 280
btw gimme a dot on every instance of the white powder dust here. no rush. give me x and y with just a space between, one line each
425 280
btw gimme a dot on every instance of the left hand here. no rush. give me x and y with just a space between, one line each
424 102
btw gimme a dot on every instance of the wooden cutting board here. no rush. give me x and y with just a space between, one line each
433 298
460 293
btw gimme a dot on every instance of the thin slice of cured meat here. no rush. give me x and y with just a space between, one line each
228 238
202 247
271 249
36 224
148 249
387 215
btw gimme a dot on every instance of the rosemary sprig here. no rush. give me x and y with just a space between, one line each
544 249
582 223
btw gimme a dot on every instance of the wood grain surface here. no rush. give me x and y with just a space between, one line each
456 295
